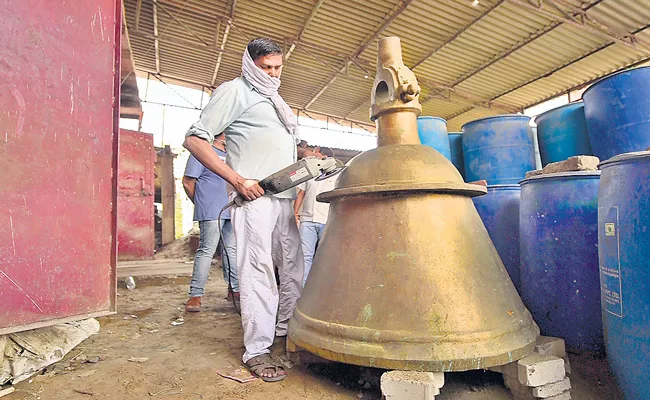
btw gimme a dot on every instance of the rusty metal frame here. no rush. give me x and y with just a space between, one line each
117 88
397 10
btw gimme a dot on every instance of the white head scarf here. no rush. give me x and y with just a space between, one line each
268 86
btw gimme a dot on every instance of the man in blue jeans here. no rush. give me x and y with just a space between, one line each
208 192
313 215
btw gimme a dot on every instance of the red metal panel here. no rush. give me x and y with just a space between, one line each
58 142
135 213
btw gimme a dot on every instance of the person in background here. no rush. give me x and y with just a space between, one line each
312 214
207 191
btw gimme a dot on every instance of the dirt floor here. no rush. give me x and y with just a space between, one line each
139 354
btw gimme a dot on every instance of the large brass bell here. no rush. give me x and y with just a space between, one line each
406 276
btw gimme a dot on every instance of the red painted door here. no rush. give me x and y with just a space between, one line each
58 157
135 213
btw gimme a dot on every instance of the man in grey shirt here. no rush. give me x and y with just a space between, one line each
261 135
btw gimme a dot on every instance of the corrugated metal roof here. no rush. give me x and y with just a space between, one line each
472 61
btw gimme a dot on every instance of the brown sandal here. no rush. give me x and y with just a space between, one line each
258 364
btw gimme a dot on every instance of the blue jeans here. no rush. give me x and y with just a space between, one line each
310 235
208 242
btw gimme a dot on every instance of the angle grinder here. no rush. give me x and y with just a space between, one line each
306 169
291 176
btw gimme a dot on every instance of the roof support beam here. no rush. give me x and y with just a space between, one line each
549 73
138 10
179 22
188 43
546 75
534 36
155 35
397 10
310 17
458 33
226 33
449 93
172 76
500 56
438 48
293 46
364 124
580 19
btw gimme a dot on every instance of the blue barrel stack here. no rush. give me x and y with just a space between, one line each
584 240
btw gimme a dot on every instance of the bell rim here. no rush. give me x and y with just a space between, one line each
301 328
453 188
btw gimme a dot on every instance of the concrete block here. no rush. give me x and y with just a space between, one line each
533 173
552 389
538 370
411 385
563 396
550 346
575 163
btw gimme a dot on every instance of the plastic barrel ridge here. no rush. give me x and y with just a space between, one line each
499 211
433 133
624 252
562 133
456 150
617 111
498 149
560 282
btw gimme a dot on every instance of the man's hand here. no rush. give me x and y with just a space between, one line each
248 188
305 152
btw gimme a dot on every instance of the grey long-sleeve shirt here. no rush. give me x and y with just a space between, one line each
258 142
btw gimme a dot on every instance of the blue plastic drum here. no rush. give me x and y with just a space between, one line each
456 148
617 111
498 149
499 210
624 250
433 133
562 133
560 282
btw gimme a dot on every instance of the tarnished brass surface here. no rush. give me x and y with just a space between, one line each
406 276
